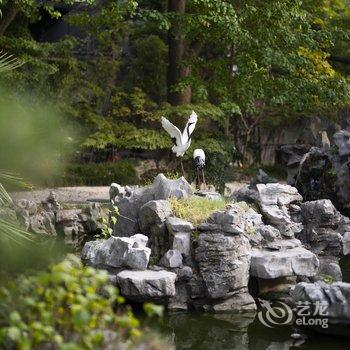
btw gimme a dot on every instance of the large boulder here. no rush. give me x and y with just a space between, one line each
237 218
128 219
147 285
164 188
296 261
117 252
223 262
153 213
326 301
171 259
277 194
324 227
278 203
175 224
325 173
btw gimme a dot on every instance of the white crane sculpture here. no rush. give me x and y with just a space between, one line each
182 141
199 161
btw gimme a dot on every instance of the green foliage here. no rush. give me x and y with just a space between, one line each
328 279
69 306
115 89
152 310
33 137
146 68
108 223
100 174
195 210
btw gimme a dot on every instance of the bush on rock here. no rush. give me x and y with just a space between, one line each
67 307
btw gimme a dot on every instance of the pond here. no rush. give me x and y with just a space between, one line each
227 331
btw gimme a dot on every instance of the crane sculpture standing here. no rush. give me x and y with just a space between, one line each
182 141
199 161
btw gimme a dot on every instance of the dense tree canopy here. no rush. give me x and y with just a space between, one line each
241 65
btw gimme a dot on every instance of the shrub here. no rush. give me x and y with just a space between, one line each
195 210
97 174
67 307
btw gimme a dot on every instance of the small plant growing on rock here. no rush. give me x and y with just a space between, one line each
195 210
328 279
108 223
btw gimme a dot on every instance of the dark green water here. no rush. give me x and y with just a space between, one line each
224 331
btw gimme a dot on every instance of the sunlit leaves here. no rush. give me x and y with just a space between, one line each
69 306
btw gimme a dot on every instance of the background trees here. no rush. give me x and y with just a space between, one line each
243 65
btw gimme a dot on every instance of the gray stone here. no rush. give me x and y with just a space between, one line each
212 196
140 241
269 233
89 252
241 302
159 240
277 203
277 194
230 220
114 250
115 192
138 258
184 273
346 243
262 178
292 156
164 188
43 222
91 218
172 259
329 267
146 285
334 299
175 224
245 194
273 264
129 207
182 243
153 213
323 227
28 205
283 244
180 301
223 262
342 141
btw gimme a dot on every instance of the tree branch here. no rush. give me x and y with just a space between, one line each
9 13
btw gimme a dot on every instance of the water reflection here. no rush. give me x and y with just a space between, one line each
225 331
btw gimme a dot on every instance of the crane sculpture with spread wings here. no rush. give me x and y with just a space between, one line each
182 141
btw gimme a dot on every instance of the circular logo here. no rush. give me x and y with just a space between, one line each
271 316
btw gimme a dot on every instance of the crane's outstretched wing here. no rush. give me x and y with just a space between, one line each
172 130
191 124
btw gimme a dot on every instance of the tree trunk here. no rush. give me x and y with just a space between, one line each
177 48
9 13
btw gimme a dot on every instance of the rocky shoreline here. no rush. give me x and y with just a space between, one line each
267 243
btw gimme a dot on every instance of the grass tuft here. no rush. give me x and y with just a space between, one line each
195 210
